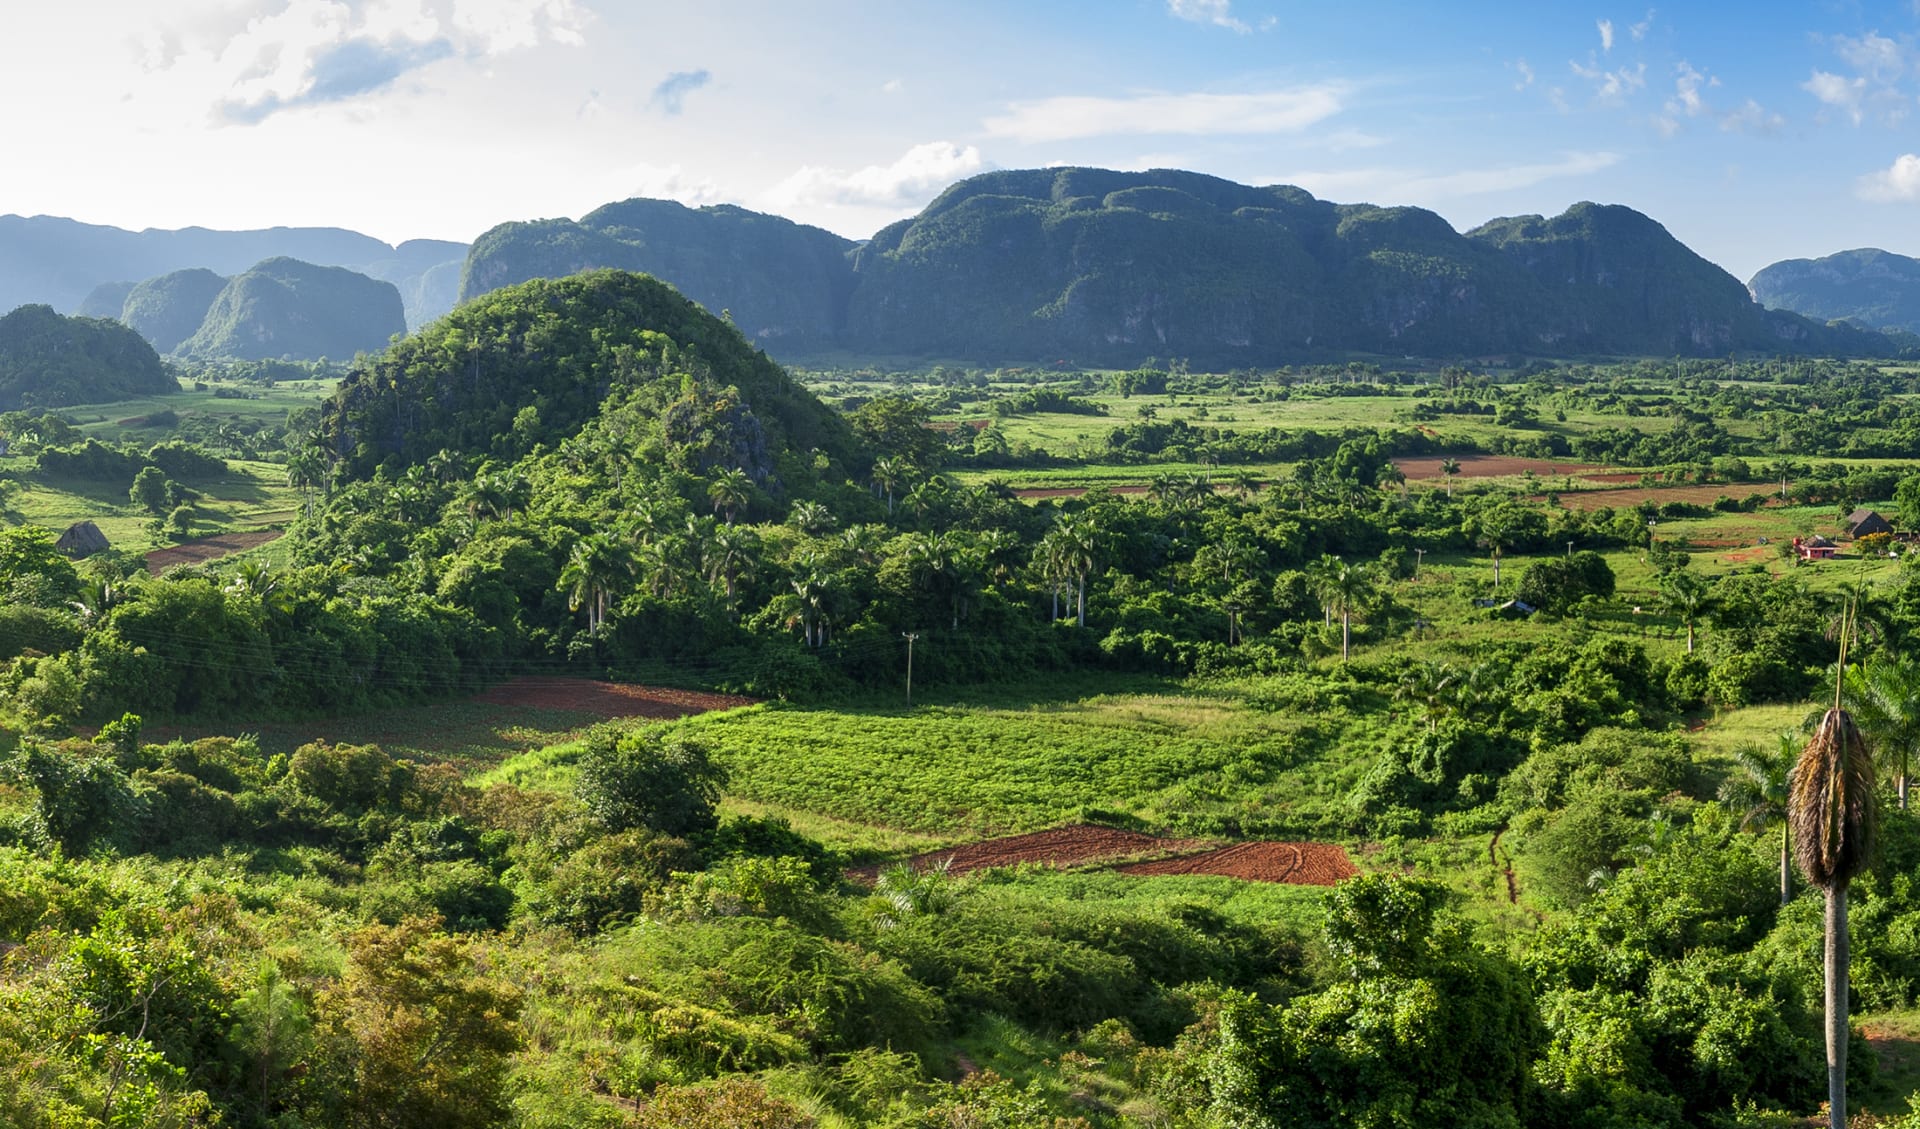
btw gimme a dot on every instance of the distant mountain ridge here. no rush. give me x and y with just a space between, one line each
278 307
60 262
1100 267
1867 286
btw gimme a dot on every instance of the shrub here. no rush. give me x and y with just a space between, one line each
639 780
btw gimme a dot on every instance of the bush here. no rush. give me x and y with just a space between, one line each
639 780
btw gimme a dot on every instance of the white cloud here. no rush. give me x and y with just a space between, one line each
1611 85
1752 117
252 60
1639 30
1219 13
1066 118
1873 55
660 182
909 182
1405 186
1837 91
1606 34
1896 184
1526 74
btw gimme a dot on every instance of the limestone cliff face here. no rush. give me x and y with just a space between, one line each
1093 266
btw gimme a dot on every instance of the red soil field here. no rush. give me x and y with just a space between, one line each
1301 864
208 548
607 699
1057 846
1308 864
1493 466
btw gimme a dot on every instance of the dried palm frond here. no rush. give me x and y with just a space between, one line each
1831 808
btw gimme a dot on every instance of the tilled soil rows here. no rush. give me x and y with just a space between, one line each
608 699
208 549
1301 864
1310 864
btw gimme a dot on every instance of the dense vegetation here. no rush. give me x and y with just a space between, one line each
1869 287
1576 913
47 361
284 308
1103 267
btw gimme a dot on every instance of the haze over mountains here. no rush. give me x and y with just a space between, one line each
1086 266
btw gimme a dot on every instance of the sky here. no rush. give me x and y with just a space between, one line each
1754 131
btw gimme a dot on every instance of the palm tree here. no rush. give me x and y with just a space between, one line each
729 491
1050 561
1449 467
1832 816
595 566
1077 549
729 554
255 579
889 473
1432 686
1687 596
1344 587
1390 475
810 518
1758 792
1884 695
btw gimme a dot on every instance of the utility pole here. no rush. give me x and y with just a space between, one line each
910 636
1233 622
1569 550
1418 556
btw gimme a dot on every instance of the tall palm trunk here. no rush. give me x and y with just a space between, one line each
1081 600
1786 866
1836 972
1346 631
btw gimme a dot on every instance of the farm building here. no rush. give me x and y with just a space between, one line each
82 539
1814 548
1864 522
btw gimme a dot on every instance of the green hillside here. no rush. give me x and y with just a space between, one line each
48 360
171 308
1868 286
286 308
784 284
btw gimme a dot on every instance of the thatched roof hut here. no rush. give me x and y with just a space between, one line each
1864 522
82 539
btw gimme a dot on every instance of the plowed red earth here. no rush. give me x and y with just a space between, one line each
1071 491
1490 466
1301 864
607 699
208 549
1313 864
1058 846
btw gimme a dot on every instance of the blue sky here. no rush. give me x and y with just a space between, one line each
1755 132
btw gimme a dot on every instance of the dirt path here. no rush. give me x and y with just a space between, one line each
209 548
1491 466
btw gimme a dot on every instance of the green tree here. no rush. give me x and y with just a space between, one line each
1883 694
1687 596
730 491
433 1032
639 780
1344 587
149 490
597 565
1450 467
1834 821
1757 793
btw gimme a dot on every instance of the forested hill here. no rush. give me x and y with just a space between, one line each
62 262
287 308
48 361
531 365
1103 267
1874 288
783 283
